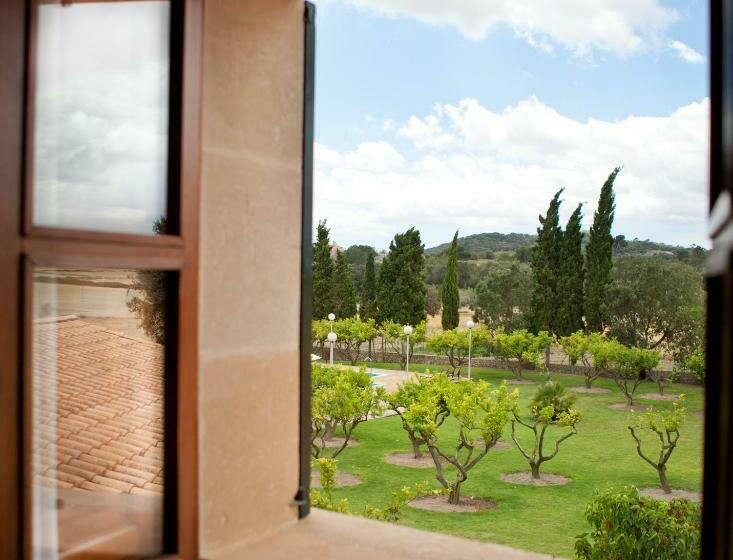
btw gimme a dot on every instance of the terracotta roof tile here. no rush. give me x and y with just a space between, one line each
102 429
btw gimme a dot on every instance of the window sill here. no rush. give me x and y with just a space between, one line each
330 536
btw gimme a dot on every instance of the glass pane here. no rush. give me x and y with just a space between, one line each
97 391
100 150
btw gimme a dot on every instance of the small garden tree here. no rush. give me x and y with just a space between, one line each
394 335
480 417
516 349
319 333
453 344
550 407
412 392
663 378
665 424
694 364
352 334
626 525
630 365
341 398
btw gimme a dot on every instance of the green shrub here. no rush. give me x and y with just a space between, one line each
392 511
626 526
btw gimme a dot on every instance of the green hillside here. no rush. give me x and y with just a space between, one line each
485 245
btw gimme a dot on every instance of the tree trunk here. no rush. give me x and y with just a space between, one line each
455 494
370 349
663 479
416 448
661 387
535 470
588 382
328 432
547 358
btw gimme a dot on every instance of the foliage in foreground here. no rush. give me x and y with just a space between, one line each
665 425
626 526
392 511
550 407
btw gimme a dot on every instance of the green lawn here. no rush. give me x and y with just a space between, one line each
543 519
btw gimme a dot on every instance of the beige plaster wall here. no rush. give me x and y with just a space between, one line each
250 268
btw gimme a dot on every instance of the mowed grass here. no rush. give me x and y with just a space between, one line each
542 519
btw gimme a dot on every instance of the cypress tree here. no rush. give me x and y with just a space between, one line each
344 298
598 257
572 276
322 273
401 292
368 306
450 295
546 256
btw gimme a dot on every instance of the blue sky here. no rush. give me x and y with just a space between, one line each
496 107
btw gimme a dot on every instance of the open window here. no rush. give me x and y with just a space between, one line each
100 246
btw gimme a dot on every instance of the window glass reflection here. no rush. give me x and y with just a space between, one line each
101 115
98 433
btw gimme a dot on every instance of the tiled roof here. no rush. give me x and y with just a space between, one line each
98 408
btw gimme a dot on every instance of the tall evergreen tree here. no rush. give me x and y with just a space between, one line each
368 305
546 257
322 273
344 297
572 276
450 295
598 258
401 288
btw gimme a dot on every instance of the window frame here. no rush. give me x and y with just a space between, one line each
25 245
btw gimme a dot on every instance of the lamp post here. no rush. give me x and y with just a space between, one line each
408 331
331 319
469 326
332 338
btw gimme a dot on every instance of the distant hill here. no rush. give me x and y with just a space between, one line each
478 246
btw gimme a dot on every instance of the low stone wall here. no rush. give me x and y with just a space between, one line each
478 361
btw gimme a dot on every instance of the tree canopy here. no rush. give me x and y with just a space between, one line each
546 264
401 288
654 301
322 273
449 294
342 291
598 257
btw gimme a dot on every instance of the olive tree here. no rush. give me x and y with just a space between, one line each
393 334
665 425
518 348
630 365
550 408
480 416
453 344
342 398
352 333
411 392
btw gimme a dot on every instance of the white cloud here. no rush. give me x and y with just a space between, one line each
377 157
581 26
686 53
483 170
